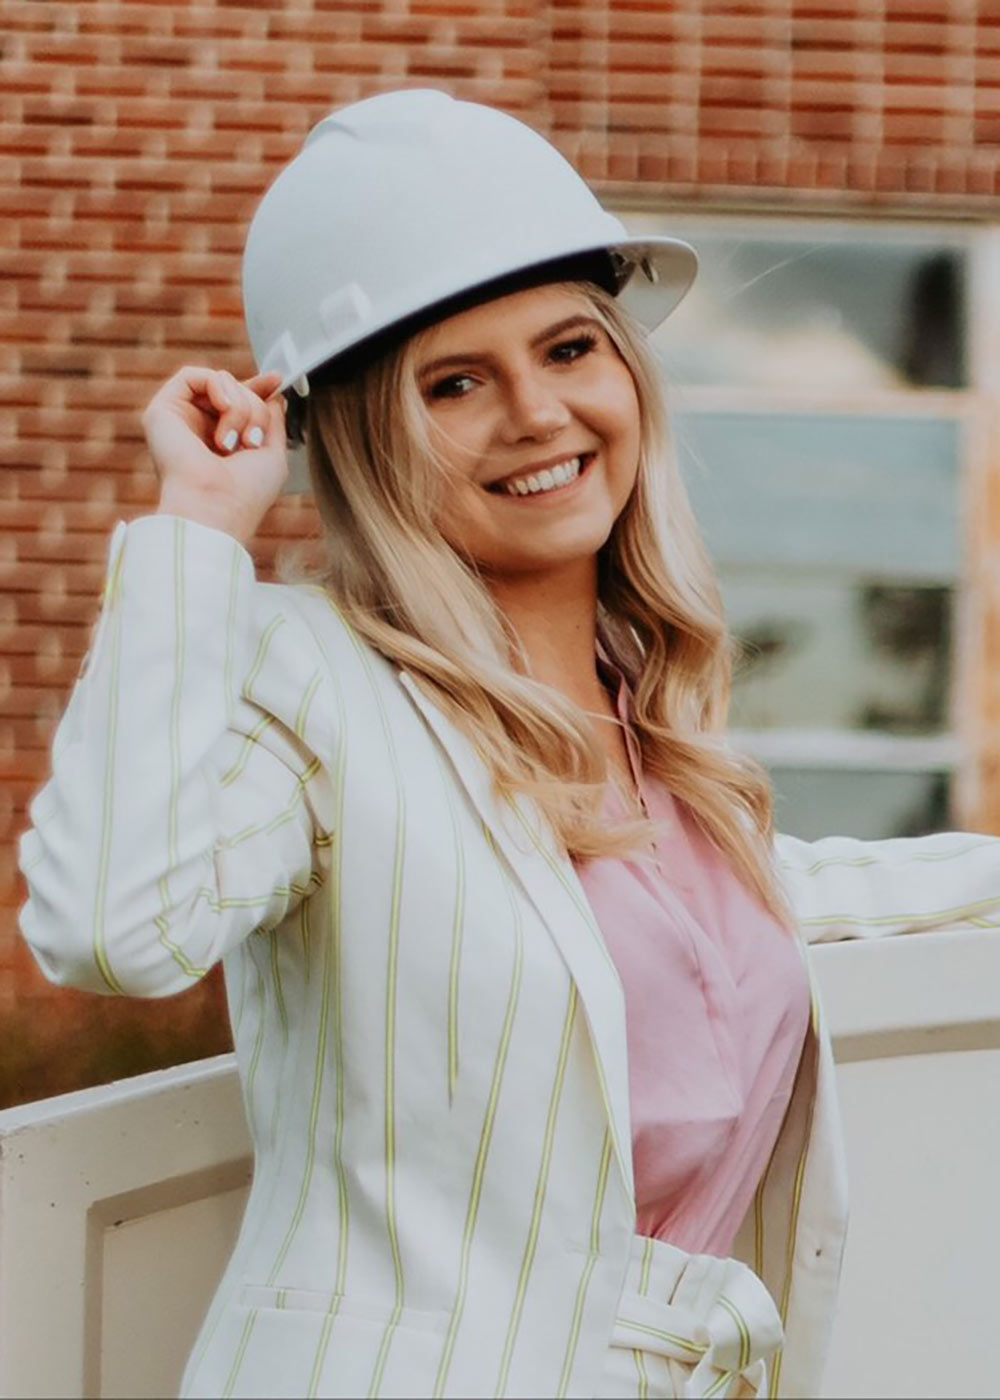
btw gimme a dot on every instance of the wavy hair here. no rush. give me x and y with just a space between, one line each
378 486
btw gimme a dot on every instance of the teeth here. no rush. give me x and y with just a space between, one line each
548 480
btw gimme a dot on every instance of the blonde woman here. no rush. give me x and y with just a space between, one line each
541 1102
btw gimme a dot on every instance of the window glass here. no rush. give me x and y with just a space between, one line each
826 479
806 490
838 307
868 804
830 652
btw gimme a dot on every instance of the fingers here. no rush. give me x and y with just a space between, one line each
242 418
264 384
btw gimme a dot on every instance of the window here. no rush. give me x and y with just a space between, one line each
817 375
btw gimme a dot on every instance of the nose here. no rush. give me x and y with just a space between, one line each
535 410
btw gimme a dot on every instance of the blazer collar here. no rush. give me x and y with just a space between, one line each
550 881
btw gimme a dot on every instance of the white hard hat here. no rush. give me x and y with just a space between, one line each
405 200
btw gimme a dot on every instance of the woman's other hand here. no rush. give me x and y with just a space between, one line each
218 446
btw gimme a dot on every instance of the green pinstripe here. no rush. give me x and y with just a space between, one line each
175 700
647 1264
640 1360
864 860
758 1221
682 1343
282 1009
392 973
267 828
302 715
330 959
485 1138
252 901
457 928
104 857
239 1009
305 930
607 1149
741 1327
162 923
279 991
961 913
262 650
640 1366
583 908
587 914
800 1172
258 1046
241 1351
227 666
246 749
333 993
540 1187
287 814
720 1384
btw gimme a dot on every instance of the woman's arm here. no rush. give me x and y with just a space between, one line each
182 811
842 888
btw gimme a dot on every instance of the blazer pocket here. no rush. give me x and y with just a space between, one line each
261 1296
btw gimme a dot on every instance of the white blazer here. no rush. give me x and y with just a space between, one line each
429 1030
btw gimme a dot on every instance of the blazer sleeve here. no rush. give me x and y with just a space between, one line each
843 888
183 811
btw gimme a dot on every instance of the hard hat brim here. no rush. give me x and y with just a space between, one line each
649 277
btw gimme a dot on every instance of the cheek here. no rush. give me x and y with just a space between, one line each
617 410
458 436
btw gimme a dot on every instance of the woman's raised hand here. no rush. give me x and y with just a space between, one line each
218 446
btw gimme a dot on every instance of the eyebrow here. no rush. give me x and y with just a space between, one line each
472 358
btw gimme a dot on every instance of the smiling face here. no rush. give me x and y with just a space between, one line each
535 418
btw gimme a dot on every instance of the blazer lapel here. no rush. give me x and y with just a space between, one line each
548 878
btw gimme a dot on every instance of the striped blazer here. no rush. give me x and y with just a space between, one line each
429 1030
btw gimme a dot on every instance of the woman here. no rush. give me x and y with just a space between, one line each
527 1047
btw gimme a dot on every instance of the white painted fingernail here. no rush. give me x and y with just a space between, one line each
255 437
231 439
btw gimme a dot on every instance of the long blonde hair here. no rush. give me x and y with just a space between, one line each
378 484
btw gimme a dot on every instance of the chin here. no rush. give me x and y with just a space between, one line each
559 555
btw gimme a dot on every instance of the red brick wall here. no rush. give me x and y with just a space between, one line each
136 139
855 100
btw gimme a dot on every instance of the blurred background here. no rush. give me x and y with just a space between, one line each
834 377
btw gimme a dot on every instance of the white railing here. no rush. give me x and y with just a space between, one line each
118 1205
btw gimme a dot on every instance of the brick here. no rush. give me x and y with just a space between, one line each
986 129
72 50
950 179
655 168
920 176
754 30
901 36
828 35
736 122
862 172
733 90
912 128
890 173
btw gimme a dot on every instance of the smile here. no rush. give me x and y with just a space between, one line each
544 482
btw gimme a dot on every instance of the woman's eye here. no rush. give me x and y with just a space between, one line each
568 350
453 387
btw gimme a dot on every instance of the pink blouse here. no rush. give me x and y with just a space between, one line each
717 1005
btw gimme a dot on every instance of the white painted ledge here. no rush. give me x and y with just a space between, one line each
118 1205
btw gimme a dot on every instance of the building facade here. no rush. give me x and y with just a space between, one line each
837 162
